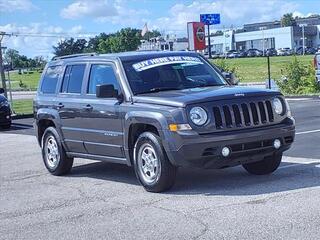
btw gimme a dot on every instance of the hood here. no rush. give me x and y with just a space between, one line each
181 98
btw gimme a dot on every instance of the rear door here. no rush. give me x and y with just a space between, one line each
100 116
69 106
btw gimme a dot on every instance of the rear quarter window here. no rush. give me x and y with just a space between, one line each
50 79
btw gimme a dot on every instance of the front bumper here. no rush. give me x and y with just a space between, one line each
5 116
250 145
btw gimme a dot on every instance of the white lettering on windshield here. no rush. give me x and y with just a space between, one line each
155 62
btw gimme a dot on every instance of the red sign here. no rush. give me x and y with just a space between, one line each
196 36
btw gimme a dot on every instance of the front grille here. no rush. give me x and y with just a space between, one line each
243 114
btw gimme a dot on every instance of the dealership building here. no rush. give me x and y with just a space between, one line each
268 35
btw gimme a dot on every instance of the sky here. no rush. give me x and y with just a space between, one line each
39 24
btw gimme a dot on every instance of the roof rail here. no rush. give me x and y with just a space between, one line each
74 55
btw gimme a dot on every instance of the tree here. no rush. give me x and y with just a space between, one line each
11 57
287 20
127 39
70 46
152 34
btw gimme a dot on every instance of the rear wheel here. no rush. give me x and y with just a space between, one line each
53 153
151 164
266 166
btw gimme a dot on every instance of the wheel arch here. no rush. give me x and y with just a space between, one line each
139 122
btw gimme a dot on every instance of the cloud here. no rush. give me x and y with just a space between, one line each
235 13
38 38
116 12
87 8
16 5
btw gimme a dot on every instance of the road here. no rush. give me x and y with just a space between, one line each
104 201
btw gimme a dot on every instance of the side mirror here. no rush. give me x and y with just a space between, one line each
231 78
1 90
106 91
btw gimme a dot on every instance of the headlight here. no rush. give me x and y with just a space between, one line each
4 103
198 115
277 106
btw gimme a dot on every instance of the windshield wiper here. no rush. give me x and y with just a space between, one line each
160 89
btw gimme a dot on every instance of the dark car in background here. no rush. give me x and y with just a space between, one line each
253 52
307 50
270 52
5 111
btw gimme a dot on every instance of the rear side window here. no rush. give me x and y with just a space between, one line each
72 80
50 79
101 74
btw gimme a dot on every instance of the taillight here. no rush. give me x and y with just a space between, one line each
315 62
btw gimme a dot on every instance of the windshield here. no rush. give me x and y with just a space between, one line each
170 73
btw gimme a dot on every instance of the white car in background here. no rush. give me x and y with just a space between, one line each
316 62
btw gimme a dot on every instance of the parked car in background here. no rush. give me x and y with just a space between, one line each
284 52
270 52
316 62
307 50
242 53
253 52
5 111
232 54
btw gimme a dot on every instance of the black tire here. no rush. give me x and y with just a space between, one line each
166 177
65 163
266 166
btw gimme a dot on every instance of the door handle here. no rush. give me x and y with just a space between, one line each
59 105
88 107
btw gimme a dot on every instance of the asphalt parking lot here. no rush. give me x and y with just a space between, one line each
104 201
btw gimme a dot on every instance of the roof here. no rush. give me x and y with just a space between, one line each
123 56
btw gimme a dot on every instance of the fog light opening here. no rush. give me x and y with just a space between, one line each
276 143
225 151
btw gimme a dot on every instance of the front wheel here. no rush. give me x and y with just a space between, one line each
53 153
151 164
266 166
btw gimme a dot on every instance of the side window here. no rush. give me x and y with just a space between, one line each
50 79
72 79
101 74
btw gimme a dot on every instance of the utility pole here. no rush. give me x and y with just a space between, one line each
3 78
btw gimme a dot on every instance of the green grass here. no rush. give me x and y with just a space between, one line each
256 69
22 106
29 79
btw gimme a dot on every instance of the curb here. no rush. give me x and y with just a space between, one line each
22 116
303 96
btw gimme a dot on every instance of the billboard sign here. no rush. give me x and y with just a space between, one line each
210 19
196 36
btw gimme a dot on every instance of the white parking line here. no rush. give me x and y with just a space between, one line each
306 132
294 161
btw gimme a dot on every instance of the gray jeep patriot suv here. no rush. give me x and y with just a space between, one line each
156 111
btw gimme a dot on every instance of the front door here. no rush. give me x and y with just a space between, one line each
100 117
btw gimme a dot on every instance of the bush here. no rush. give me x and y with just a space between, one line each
22 84
298 79
227 67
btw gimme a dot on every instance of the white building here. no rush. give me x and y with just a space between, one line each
164 44
268 35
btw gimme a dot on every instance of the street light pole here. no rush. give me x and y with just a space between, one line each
209 42
303 38
263 40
